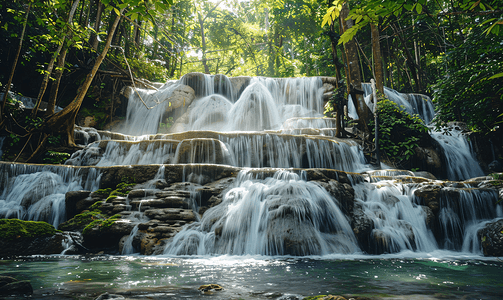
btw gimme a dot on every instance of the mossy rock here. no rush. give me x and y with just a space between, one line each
82 220
104 192
102 224
11 229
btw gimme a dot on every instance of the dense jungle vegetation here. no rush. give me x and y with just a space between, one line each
79 54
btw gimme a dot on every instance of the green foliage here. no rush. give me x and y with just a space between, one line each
471 91
338 98
497 176
54 139
90 226
399 132
53 157
145 68
164 127
11 229
110 221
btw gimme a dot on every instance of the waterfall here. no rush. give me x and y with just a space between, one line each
460 160
276 216
236 125
37 193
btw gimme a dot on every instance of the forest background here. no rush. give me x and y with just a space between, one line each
79 54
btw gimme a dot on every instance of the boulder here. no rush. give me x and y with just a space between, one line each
181 96
73 202
491 238
430 194
343 193
10 286
25 246
106 235
20 238
362 228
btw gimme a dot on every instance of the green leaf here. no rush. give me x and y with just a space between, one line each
496 76
419 8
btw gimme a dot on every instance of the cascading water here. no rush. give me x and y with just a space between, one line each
38 192
277 216
266 123
460 160
317 207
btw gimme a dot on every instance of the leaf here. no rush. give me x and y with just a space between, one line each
496 76
419 8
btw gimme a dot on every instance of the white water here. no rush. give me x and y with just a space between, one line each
276 216
38 192
281 215
459 157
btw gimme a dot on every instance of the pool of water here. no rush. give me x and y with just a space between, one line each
252 277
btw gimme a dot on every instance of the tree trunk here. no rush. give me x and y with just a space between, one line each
64 121
94 38
14 64
414 69
51 104
203 44
353 75
48 73
376 51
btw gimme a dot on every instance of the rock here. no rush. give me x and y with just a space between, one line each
171 214
430 194
239 84
109 296
491 237
344 194
107 234
425 174
71 200
209 287
181 96
362 228
32 246
10 286
495 166
430 217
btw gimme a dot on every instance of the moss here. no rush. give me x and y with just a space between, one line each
91 225
111 198
110 221
82 220
101 224
96 206
104 192
122 189
13 228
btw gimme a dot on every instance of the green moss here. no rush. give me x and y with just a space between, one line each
101 224
104 192
82 220
110 221
13 228
122 189
91 225
110 198
96 206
